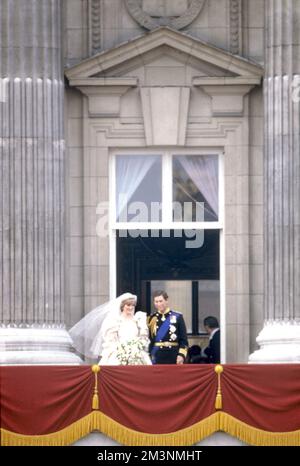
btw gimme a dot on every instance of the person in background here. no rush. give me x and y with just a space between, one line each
194 355
212 351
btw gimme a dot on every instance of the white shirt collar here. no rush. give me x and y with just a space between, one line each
213 332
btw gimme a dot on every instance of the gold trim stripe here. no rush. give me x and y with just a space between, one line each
166 343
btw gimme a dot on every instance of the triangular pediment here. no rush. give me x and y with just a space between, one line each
174 45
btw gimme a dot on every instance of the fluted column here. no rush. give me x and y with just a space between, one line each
280 337
32 184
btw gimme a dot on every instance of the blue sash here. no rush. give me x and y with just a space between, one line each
163 329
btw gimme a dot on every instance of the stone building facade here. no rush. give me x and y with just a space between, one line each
87 83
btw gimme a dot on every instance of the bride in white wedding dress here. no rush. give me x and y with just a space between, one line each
113 332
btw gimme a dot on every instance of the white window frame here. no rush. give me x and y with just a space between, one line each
167 222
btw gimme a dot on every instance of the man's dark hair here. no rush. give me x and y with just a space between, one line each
211 322
160 293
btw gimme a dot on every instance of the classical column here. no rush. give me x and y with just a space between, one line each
280 337
32 327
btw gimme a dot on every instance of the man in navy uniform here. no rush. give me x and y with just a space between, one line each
169 343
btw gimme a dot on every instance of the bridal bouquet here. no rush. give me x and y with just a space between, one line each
130 353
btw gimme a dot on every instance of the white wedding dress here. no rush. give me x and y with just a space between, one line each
123 331
106 332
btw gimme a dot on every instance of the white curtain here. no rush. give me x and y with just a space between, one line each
203 171
130 172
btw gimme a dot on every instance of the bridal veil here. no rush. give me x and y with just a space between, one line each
87 333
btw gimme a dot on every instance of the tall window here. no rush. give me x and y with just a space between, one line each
169 199
167 190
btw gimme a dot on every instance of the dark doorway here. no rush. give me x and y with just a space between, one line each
145 257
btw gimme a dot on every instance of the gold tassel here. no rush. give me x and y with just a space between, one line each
95 402
218 402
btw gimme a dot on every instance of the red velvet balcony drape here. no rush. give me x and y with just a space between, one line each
156 405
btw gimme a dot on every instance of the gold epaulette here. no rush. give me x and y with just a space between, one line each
152 325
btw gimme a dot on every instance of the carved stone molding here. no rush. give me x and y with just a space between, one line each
136 48
227 100
227 94
165 111
104 94
36 344
279 342
235 26
95 26
135 8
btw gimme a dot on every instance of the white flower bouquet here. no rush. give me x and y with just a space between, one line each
130 353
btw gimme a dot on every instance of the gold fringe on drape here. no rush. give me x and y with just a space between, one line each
254 436
96 420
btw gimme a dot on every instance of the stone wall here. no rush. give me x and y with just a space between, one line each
236 26
94 25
